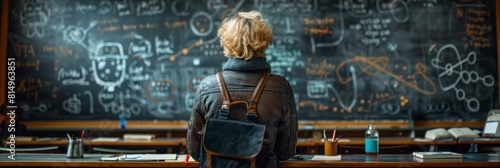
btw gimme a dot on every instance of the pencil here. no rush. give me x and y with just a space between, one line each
187 159
333 137
81 136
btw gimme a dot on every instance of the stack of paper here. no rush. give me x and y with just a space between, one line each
323 157
444 156
438 155
437 160
106 139
138 137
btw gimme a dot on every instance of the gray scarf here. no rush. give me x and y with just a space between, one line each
255 64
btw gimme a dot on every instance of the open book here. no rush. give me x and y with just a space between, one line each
452 133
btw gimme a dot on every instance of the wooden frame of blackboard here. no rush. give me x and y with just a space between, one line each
179 124
4 9
497 11
303 125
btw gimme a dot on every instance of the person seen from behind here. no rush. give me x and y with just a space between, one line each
244 38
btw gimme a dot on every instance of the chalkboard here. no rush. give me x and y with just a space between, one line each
346 59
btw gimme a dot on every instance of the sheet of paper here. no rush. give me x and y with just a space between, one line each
344 140
423 140
25 138
122 157
491 127
48 139
144 157
182 158
323 157
106 139
159 157
340 140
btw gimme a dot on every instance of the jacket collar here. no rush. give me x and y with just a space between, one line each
255 64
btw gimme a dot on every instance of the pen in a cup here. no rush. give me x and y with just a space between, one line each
69 137
81 136
324 136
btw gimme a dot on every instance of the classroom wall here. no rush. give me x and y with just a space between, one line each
314 115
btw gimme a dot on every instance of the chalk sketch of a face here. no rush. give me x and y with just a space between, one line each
109 64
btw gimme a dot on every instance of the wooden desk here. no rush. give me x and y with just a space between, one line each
314 146
63 142
157 142
383 141
480 141
400 160
477 144
89 160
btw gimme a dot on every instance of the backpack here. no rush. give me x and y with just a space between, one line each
229 142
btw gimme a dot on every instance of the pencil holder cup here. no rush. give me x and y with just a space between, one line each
75 149
330 148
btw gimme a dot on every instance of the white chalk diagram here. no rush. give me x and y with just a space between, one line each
34 17
375 29
109 64
121 102
320 90
450 70
315 45
284 56
42 107
149 8
76 34
77 76
196 77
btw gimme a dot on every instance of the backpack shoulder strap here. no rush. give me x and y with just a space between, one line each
226 101
252 103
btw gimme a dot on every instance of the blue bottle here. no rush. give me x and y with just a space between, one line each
123 120
371 141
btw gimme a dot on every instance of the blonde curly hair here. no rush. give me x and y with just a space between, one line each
245 35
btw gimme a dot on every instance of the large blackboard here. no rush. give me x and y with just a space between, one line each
346 59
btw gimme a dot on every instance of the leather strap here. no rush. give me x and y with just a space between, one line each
226 101
252 103
208 160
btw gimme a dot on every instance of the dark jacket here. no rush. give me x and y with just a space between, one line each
276 107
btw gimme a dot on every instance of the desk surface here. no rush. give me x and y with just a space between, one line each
482 141
300 143
64 141
404 160
383 141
